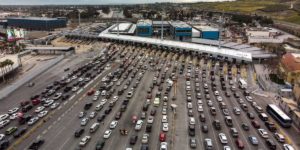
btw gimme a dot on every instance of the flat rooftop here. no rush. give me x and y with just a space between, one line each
205 28
179 24
32 18
122 27
144 23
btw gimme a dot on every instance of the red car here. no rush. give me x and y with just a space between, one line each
162 137
91 92
35 102
239 143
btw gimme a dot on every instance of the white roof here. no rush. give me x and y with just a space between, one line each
122 26
144 23
226 52
179 24
205 28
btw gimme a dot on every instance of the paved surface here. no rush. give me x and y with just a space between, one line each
58 130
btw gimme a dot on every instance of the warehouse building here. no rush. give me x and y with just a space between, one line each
144 28
208 32
180 30
124 28
37 23
159 25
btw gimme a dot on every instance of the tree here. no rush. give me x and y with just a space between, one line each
2 70
106 10
127 13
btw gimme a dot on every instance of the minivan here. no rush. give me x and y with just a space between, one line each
208 144
263 116
94 127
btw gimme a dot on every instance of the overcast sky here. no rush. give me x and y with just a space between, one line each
58 2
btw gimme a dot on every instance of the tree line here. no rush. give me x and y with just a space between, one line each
5 67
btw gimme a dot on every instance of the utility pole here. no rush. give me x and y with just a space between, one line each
162 27
221 29
118 22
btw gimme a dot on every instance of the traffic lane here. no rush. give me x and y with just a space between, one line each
115 132
60 111
181 118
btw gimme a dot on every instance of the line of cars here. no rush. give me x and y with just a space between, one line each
106 90
49 97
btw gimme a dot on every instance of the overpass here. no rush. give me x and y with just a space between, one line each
215 51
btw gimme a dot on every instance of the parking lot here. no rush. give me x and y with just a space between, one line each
143 98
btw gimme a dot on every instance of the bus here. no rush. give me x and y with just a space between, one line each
156 102
278 115
242 83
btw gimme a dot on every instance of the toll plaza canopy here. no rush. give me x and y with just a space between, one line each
215 50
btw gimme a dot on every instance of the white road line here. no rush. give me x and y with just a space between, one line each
58 118
65 102
79 91
59 107
54 122
72 97
49 127
45 131
76 102
38 137
61 147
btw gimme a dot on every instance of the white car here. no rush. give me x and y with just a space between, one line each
150 119
97 93
115 98
237 111
103 93
263 133
43 113
200 108
164 119
249 98
107 134
75 88
113 124
13 116
164 111
223 138
95 98
189 105
199 102
145 138
48 103
217 93
226 147
103 101
84 121
54 105
33 120
279 137
163 146
3 123
80 79
81 114
39 109
165 127
84 140
92 114
4 116
12 111
285 147
138 125
219 98
2 136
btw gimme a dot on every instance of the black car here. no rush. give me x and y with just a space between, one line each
148 128
133 139
4 144
204 128
87 106
35 145
79 132
192 130
107 111
245 127
250 115
271 144
101 118
100 145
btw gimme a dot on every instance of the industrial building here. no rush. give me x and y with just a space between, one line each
37 23
144 28
208 32
159 25
180 30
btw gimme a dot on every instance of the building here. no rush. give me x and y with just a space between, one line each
125 28
289 67
208 32
144 28
159 25
180 30
263 35
37 23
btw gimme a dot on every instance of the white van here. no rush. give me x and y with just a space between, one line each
94 127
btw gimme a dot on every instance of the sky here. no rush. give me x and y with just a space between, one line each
76 2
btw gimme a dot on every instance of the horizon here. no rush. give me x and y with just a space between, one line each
99 2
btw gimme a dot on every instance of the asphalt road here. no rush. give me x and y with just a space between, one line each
58 130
